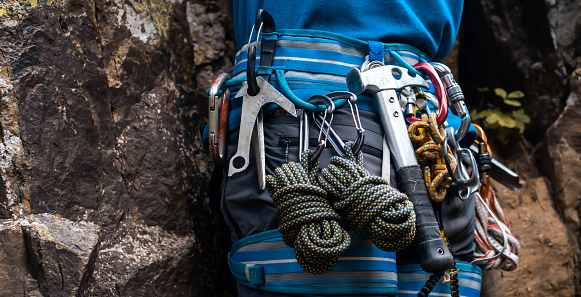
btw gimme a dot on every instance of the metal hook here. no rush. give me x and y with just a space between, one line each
323 100
352 100
454 93
265 24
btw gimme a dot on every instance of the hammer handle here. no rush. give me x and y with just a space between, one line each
434 254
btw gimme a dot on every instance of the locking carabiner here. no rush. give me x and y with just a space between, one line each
456 97
217 121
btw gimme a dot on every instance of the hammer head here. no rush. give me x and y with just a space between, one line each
388 77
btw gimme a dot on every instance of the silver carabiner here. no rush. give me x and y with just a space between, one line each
456 97
322 100
352 100
467 185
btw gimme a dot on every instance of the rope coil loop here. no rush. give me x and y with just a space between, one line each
367 203
430 153
308 222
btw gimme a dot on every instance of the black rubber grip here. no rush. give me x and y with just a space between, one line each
434 255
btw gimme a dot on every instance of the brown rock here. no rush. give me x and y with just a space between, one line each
12 259
61 253
561 160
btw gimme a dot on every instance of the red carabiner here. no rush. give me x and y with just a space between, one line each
440 92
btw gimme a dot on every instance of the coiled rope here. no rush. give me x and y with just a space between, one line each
430 153
367 203
308 222
489 234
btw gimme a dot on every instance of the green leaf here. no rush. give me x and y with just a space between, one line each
520 126
500 92
520 116
506 120
485 89
515 95
479 115
512 102
492 117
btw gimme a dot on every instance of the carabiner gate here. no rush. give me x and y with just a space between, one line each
322 100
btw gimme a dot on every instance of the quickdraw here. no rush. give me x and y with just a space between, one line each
430 139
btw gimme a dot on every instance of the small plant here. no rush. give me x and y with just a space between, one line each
506 116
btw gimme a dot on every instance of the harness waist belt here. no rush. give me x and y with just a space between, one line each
263 261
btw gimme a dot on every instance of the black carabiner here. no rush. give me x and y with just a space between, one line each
265 23
253 88
322 100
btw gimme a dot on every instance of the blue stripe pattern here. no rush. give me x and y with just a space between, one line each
362 268
411 279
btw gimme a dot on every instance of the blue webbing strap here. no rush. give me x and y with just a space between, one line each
411 279
265 262
298 101
400 61
375 51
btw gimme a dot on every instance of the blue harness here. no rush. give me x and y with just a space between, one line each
306 63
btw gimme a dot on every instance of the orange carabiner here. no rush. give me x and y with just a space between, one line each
483 149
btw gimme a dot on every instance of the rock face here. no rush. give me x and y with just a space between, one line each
101 125
62 253
545 246
12 260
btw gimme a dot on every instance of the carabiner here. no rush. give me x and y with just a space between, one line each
456 97
352 100
322 100
440 92
265 23
215 118
466 184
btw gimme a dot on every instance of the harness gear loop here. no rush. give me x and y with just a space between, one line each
430 138
308 222
367 203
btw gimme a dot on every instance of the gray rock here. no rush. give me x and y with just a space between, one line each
62 254
12 259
